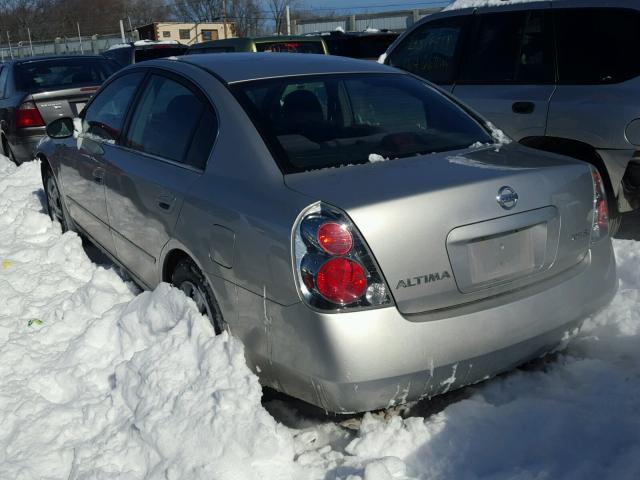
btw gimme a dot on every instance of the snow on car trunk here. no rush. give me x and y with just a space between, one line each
98 381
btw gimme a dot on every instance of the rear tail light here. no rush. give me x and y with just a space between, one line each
333 267
28 115
600 228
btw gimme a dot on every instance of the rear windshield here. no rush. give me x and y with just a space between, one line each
62 73
290 47
366 46
158 51
334 120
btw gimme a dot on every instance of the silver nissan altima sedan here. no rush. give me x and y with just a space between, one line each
369 239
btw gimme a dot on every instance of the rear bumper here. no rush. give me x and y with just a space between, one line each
23 144
366 360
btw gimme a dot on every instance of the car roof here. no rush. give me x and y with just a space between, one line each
20 61
247 41
240 67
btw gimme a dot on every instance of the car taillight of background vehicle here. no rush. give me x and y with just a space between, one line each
600 210
28 115
334 269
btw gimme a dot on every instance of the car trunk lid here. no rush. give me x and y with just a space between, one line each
440 236
62 103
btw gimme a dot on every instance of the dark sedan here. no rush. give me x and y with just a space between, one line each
36 91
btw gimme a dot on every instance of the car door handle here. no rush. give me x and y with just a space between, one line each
98 175
523 107
165 202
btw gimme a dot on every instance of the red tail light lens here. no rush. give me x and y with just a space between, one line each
341 281
334 269
600 210
27 115
334 238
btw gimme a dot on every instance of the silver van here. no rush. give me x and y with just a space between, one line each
560 76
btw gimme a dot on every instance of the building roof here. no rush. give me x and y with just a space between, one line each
238 67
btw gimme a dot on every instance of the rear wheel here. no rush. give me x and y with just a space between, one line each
55 205
188 278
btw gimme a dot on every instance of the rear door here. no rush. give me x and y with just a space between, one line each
82 161
167 144
508 69
432 50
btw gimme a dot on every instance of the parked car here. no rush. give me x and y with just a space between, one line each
363 234
558 79
133 52
368 45
279 44
36 91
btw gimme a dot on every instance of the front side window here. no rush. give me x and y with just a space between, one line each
172 122
104 116
597 45
430 50
510 47
334 120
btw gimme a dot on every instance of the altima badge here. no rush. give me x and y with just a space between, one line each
507 198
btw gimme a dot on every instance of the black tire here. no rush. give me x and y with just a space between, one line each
55 206
9 153
188 278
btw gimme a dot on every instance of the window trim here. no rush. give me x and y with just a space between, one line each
109 81
471 29
185 82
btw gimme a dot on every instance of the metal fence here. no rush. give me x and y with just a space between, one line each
396 21
60 46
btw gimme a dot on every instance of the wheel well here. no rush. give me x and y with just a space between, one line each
575 149
171 262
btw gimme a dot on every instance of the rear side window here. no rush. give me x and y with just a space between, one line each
334 120
104 116
430 50
597 45
62 73
172 122
511 47
290 47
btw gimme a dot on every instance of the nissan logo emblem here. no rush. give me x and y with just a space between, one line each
507 198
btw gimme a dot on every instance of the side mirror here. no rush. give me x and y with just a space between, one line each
60 128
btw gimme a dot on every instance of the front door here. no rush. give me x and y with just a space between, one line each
82 166
507 72
165 151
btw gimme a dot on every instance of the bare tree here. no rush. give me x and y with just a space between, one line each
246 15
278 9
198 10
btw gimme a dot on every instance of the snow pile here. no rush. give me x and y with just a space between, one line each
458 4
376 157
100 383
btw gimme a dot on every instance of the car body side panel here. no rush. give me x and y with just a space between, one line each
144 197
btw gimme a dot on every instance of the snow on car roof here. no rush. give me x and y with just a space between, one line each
142 43
459 4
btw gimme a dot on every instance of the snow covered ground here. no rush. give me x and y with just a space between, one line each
100 381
